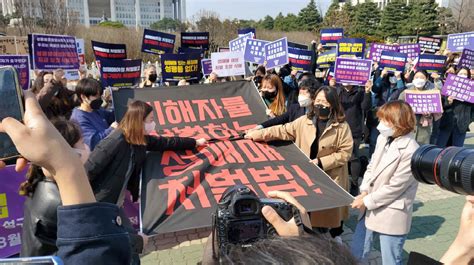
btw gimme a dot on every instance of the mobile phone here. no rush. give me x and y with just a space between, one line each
11 105
47 260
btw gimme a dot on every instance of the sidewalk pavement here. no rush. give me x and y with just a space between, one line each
435 225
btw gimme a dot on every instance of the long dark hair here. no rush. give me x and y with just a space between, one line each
133 123
464 68
71 133
38 84
337 111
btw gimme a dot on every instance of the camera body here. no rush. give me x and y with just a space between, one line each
238 220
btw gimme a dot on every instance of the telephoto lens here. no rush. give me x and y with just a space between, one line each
451 168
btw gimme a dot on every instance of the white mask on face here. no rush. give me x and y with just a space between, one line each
150 127
461 75
419 82
304 101
392 79
385 130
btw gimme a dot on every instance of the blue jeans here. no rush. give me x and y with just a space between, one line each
457 136
391 246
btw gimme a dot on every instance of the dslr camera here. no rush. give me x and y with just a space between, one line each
238 220
451 168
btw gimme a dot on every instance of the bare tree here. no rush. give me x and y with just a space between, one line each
463 11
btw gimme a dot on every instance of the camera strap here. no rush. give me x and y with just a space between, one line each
299 222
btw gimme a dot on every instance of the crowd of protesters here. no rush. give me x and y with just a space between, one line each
86 175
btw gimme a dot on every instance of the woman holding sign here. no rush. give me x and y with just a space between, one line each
424 122
456 117
325 137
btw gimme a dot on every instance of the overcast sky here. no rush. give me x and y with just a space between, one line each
246 9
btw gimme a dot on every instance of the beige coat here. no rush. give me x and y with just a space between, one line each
335 150
391 186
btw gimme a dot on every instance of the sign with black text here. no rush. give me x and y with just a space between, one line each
175 67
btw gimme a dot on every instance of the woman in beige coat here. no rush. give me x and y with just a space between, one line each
325 137
389 188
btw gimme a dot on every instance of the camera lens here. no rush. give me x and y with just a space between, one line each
451 168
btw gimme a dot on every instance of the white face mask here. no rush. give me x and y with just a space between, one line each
385 130
392 80
461 75
419 82
304 101
150 127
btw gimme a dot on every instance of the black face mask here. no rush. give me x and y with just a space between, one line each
269 95
153 77
96 104
322 111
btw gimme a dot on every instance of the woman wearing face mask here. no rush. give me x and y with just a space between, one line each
150 76
456 117
424 122
96 123
325 137
38 236
115 164
273 95
306 92
389 188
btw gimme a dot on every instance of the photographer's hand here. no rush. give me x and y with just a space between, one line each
39 142
282 227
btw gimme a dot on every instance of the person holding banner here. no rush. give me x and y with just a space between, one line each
96 123
39 232
424 122
325 137
116 162
273 95
388 189
456 117
54 98
150 76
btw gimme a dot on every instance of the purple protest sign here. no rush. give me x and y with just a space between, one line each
238 44
276 53
458 87
352 71
460 41
424 101
20 63
300 60
411 50
467 59
393 61
206 65
132 211
50 52
431 63
255 51
11 211
242 32
377 48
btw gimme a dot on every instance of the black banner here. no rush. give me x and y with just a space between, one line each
109 50
197 40
429 44
156 42
180 189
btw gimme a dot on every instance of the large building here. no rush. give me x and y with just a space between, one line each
132 13
383 3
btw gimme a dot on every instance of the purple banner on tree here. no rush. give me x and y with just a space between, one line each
300 60
206 65
431 63
120 73
11 211
458 87
467 59
20 63
377 48
239 43
393 61
156 42
352 71
276 53
255 51
411 50
429 44
424 101
50 52
460 41
329 37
